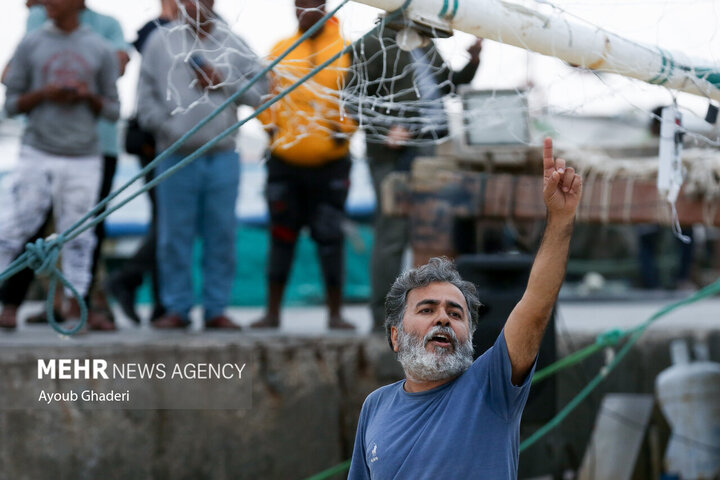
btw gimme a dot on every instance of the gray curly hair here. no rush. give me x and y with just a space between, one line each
438 269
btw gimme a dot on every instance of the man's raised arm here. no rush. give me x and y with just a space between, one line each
526 325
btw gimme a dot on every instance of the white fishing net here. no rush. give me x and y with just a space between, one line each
385 87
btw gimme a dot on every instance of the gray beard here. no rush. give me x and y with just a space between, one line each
444 363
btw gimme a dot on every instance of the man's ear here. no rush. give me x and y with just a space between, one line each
394 338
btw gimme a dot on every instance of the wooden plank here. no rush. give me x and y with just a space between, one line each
431 223
528 198
500 196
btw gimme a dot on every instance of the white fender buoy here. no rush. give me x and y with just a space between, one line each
689 396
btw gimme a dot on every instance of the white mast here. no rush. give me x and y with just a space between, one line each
557 36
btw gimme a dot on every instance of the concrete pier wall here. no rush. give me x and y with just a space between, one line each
306 395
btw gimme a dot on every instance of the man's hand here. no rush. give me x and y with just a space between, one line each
123 58
208 77
67 93
562 187
526 324
82 91
206 74
83 94
49 93
397 137
60 93
474 51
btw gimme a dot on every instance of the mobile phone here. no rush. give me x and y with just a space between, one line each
197 61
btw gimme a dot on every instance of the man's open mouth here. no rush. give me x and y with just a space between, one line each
441 340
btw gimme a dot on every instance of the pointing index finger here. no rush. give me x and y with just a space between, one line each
548 162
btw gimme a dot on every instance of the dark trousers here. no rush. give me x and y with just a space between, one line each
144 260
649 239
307 196
392 233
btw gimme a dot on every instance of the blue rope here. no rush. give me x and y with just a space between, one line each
43 254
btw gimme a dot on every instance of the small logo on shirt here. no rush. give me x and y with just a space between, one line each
373 454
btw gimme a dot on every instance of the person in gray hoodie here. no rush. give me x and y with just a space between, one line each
189 68
62 77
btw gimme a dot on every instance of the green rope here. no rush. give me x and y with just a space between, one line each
42 255
635 334
611 338
444 9
604 340
339 468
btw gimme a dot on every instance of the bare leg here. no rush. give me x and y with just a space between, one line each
8 316
272 315
334 302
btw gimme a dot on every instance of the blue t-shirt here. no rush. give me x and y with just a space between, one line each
466 428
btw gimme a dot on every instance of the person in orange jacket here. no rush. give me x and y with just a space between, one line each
309 162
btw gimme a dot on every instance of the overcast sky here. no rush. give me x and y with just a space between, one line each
689 26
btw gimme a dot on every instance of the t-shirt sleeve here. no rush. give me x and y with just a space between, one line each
359 469
504 398
152 111
247 65
36 18
113 33
18 77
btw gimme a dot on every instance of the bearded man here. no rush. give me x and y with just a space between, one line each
452 417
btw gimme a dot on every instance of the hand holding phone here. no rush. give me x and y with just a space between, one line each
206 75
61 93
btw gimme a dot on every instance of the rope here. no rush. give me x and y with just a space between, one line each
42 256
339 468
634 334
604 340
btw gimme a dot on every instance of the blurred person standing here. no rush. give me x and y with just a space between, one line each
189 68
168 13
410 86
14 291
650 236
99 315
309 164
124 282
62 77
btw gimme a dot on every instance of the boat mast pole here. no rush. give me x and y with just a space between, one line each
554 35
